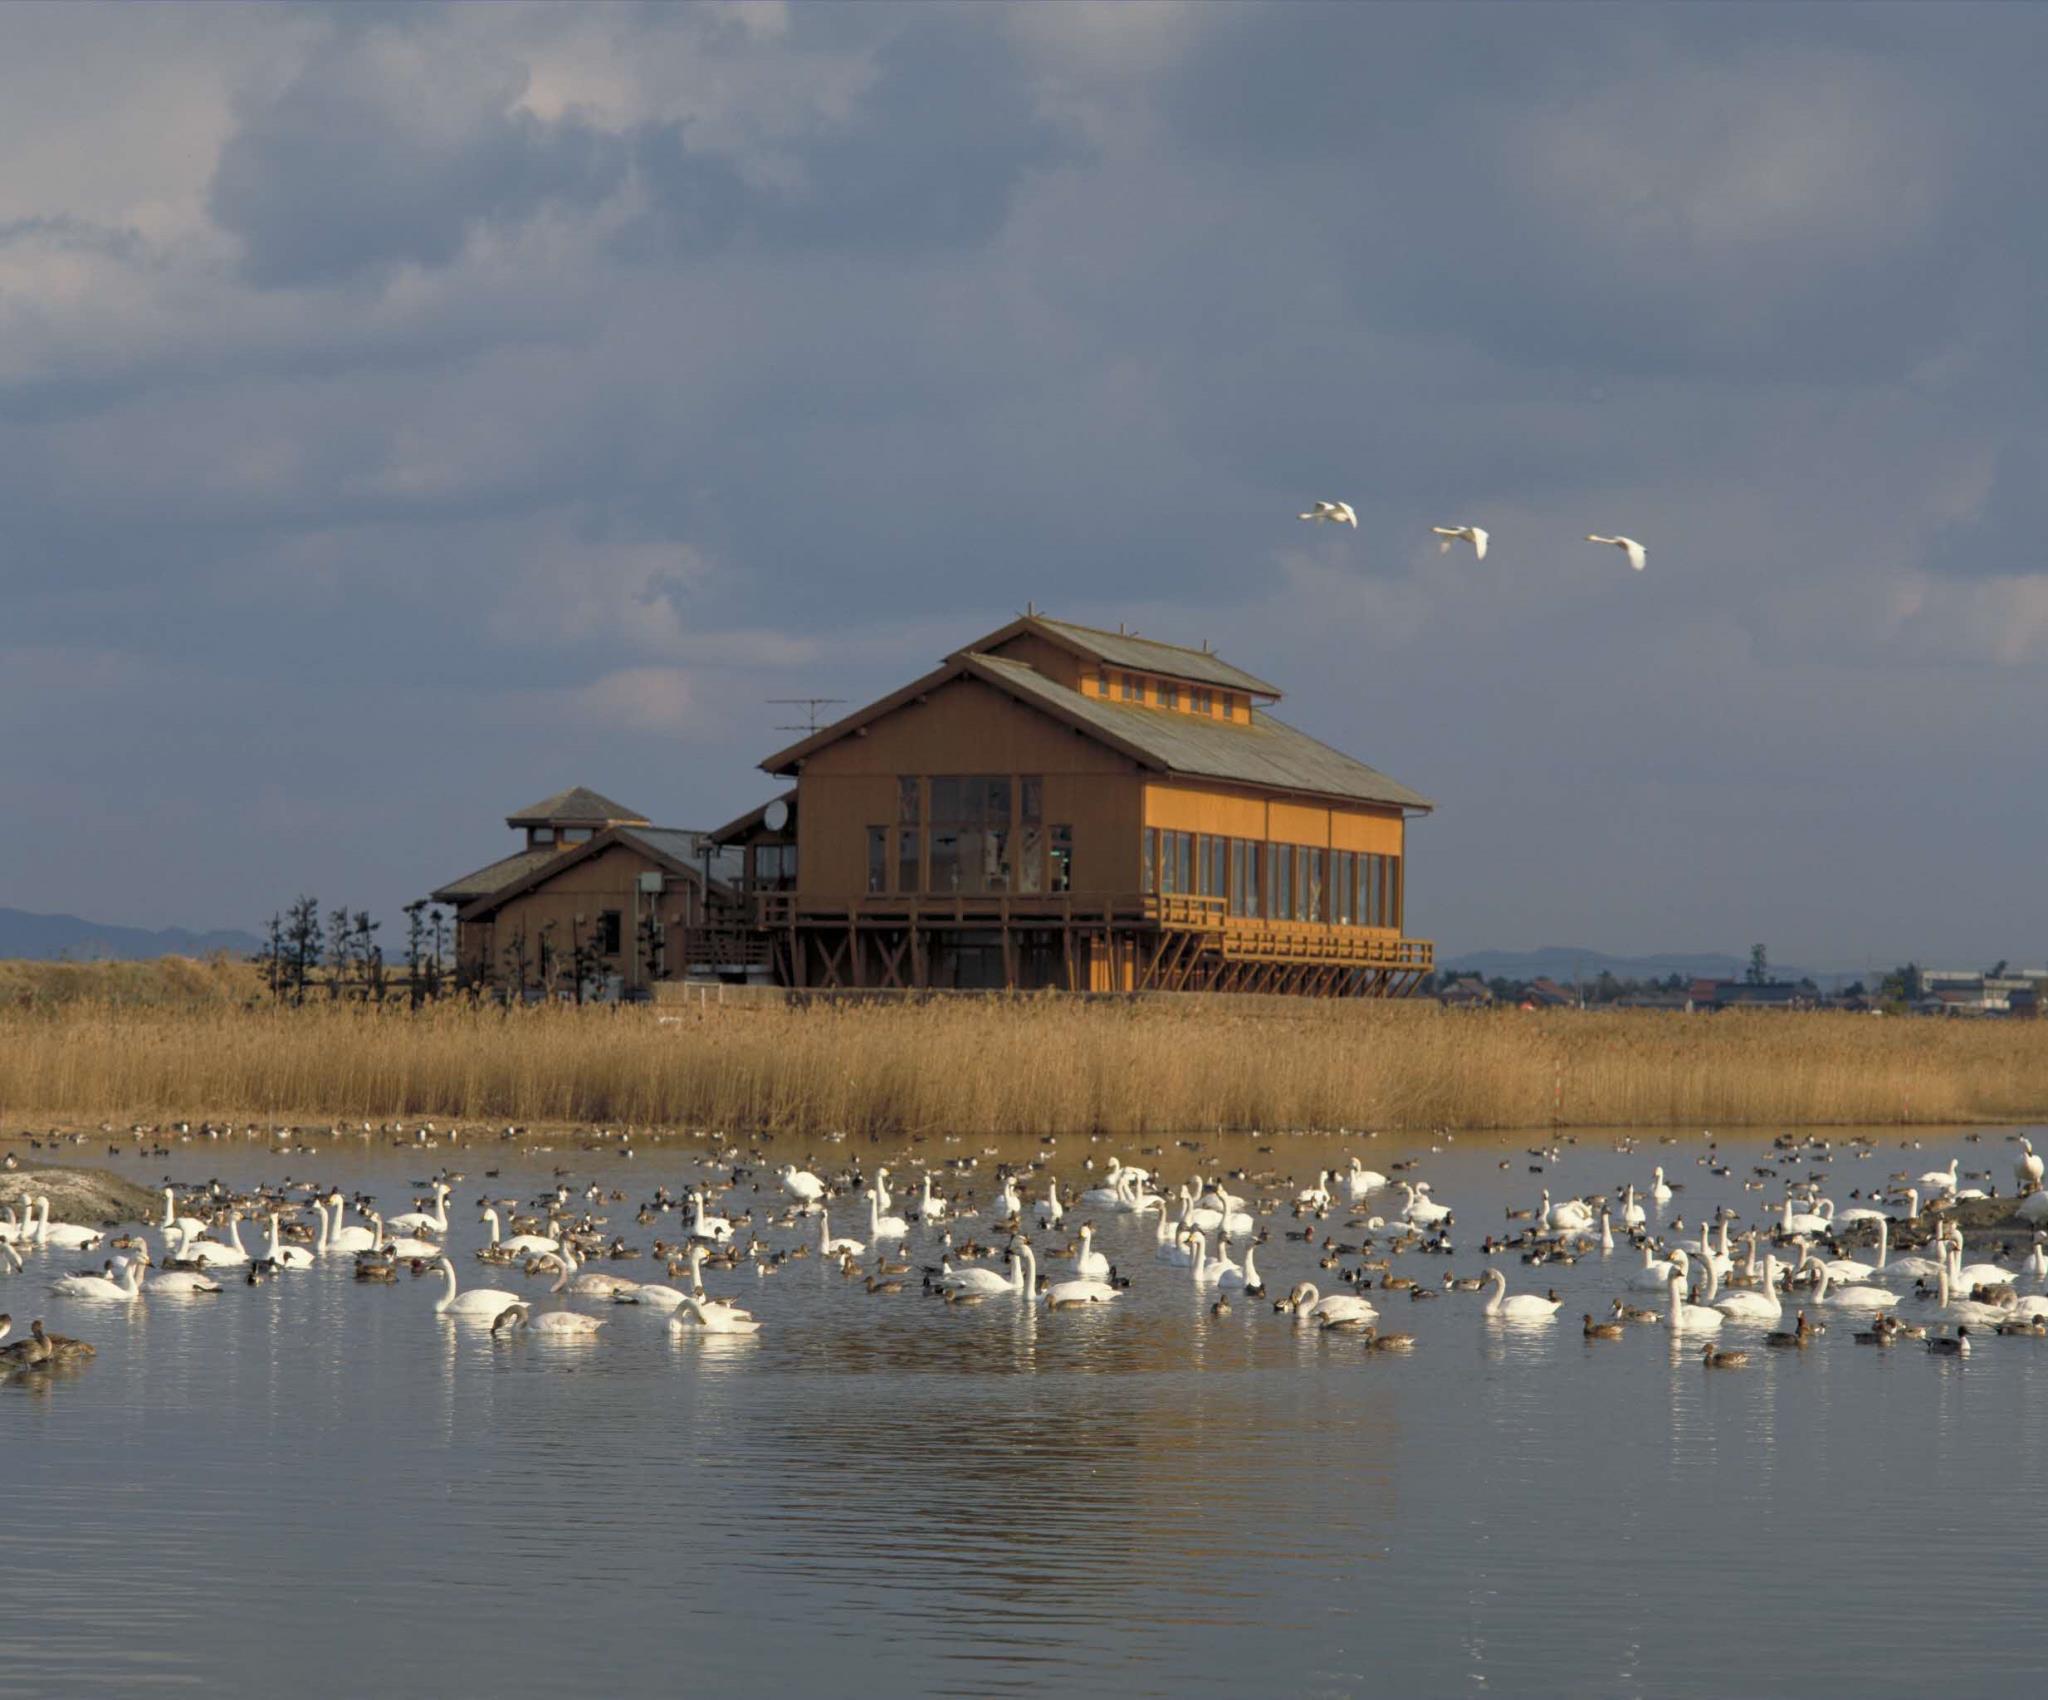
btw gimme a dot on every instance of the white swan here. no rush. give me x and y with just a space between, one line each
1523 1307
1090 1264
1568 1217
703 1227
1333 513
479 1304
706 1316
1050 1210
1660 1188
1635 552
1759 1305
1422 1209
520 1245
1363 1181
340 1240
1339 1310
2028 1167
290 1256
1975 1274
1316 1197
831 1247
593 1283
418 1221
191 1224
1632 1214
1683 1318
64 1236
1944 1180
882 1227
931 1207
1851 1298
102 1288
1471 534
1819 1220
1008 1204
1656 1273
212 1254
182 1283
567 1322
1207 1272
1847 1270
1965 1309
975 1279
801 1184
1246 1278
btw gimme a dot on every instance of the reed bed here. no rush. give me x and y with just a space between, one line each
168 982
1024 1066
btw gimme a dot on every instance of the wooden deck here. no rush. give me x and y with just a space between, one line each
1129 942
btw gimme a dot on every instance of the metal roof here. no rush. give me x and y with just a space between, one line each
686 850
1268 753
579 805
494 877
1125 649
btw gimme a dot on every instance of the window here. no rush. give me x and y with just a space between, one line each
1373 896
1312 885
1282 856
1102 681
1169 694
1031 799
1031 858
1244 877
972 814
1199 701
878 859
907 789
1063 858
540 835
1229 705
906 859
1394 891
1133 691
1215 867
1344 887
608 932
1151 870
576 835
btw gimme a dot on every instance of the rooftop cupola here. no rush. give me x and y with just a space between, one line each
574 816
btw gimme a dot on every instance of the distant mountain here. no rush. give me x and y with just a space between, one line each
1565 963
45 938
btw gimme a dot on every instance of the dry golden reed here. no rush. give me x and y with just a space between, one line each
1027 1066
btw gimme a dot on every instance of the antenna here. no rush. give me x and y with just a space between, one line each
810 706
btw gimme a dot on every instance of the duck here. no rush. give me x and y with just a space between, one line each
1375 1341
1799 1336
1956 1345
1714 1358
1634 1313
1601 1330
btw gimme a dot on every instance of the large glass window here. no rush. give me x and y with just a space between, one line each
906 859
878 859
1344 887
1283 880
1031 858
1169 694
971 833
1063 858
907 789
1216 876
1151 868
1394 891
1133 688
1031 799
1312 885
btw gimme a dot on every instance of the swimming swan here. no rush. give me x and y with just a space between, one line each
479 1304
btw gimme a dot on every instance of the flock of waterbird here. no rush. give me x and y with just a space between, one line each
1784 1274
1342 513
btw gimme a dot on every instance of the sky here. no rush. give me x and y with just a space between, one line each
407 411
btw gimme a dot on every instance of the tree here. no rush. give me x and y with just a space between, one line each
369 957
272 957
438 938
518 962
1902 984
301 945
415 952
1759 966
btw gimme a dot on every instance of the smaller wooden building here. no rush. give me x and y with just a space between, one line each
594 891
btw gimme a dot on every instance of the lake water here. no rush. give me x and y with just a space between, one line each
316 1487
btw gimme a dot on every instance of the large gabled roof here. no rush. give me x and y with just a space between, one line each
1127 649
1267 753
579 805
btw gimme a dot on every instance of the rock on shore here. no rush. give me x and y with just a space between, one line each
91 1197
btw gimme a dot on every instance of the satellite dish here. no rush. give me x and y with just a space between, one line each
775 816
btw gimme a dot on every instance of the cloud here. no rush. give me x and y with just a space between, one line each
383 150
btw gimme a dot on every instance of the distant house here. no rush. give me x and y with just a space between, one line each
592 875
1546 993
1468 991
1747 994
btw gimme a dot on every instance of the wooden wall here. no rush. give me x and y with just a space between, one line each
604 881
1182 807
965 727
